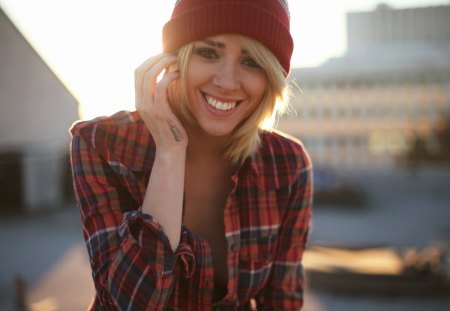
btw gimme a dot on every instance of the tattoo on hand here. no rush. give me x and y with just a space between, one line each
175 131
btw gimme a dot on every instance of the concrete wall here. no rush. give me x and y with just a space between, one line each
387 25
35 107
366 109
36 110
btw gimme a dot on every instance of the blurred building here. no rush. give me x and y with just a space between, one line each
363 110
36 110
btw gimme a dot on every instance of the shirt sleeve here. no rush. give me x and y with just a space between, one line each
284 290
133 265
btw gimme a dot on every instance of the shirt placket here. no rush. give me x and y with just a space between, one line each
232 234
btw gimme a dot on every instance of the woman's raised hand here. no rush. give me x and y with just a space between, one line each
152 102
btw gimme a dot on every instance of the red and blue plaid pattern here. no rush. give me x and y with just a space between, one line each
267 218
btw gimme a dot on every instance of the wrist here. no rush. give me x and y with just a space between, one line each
175 155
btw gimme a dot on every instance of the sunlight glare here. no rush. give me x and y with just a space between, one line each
134 43
95 46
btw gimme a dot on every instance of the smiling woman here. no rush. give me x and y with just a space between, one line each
188 203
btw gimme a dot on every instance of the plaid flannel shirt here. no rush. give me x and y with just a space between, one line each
267 217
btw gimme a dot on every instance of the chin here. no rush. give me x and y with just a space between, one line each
216 131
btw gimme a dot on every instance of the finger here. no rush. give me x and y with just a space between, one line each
160 95
154 71
149 79
155 64
143 68
151 61
151 68
148 82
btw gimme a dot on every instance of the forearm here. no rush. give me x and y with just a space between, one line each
164 195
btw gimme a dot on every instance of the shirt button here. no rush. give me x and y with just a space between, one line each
234 247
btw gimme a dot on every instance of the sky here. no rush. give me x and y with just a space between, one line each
95 45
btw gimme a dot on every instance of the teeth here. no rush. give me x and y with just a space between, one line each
219 105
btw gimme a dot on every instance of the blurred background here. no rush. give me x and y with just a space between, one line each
371 102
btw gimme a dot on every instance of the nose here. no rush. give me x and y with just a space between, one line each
227 76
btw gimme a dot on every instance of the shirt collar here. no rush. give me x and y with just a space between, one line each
123 138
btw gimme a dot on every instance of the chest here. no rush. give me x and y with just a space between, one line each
205 197
203 211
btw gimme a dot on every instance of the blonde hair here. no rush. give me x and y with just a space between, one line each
245 138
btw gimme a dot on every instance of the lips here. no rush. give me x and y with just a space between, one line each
220 105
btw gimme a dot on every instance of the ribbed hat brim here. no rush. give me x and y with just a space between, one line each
236 17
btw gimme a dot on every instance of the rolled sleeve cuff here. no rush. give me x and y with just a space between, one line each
148 233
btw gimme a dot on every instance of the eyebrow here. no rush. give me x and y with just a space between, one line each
218 44
213 43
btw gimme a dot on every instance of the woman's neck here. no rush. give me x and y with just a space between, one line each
201 145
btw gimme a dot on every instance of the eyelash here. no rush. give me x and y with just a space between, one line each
250 62
209 54
206 53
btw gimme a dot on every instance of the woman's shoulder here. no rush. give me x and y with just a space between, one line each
121 119
121 137
280 145
119 127
279 139
281 158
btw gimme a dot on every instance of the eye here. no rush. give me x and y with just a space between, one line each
250 62
206 53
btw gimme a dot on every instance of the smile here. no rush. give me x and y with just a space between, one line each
220 105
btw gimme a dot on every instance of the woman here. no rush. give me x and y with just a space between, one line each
187 203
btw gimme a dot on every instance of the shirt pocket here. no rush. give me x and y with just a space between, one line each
255 263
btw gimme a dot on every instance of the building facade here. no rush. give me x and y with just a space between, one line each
36 110
365 110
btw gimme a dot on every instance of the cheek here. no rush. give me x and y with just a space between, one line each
258 87
195 73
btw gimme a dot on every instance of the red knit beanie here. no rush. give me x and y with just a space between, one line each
266 21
